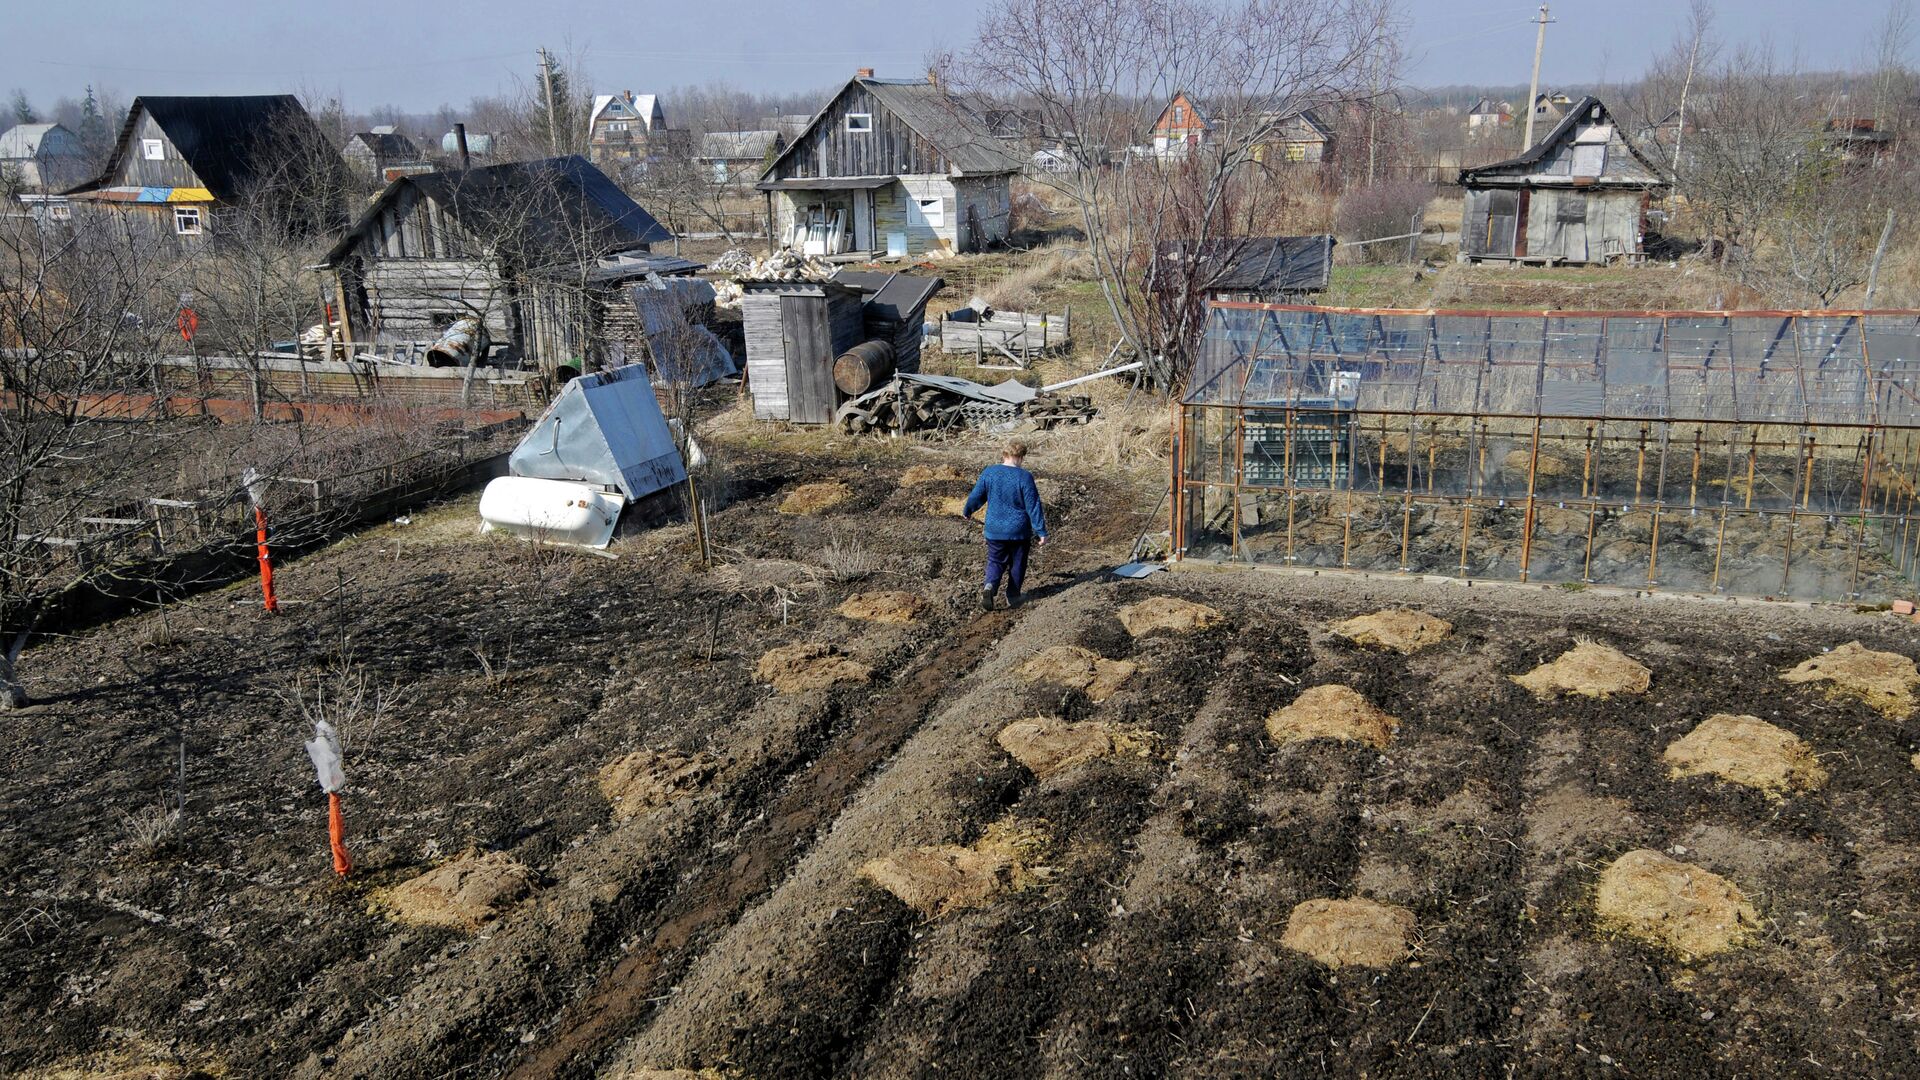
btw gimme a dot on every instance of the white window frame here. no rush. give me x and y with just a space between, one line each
860 128
188 221
931 212
153 149
616 125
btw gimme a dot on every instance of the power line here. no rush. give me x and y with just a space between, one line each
275 72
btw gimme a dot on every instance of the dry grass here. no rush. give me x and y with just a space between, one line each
1131 439
1022 287
151 830
847 559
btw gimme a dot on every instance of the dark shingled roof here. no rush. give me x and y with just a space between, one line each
1260 263
223 139
388 145
547 205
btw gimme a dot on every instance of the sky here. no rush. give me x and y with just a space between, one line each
417 56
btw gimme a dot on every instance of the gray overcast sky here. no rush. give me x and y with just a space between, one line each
420 55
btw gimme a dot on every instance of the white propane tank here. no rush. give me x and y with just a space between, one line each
551 511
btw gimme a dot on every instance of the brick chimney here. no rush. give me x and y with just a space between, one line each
629 96
863 73
933 77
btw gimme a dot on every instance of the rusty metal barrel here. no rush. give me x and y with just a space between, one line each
463 343
864 367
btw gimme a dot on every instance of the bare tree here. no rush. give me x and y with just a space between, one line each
1087 78
77 312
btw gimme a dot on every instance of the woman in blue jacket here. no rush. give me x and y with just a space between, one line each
1015 521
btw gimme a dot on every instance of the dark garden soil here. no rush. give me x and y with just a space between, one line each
727 929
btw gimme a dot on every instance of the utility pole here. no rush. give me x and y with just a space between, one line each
553 124
1533 88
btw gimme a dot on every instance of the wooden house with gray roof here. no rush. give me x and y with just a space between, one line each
1579 195
887 165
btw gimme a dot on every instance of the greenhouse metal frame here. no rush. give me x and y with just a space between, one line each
1767 453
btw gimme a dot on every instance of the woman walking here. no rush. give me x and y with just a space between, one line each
1015 521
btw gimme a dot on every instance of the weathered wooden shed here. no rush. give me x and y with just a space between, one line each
795 331
528 248
899 165
1579 195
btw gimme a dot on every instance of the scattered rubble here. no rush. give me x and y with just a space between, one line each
817 498
1673 905
1402 630
793 669
946 877
462 894
1047 746
1167 613
1589 669
1356 932
1747 750
1332 712
1078 669
889 606
649 779
1883 680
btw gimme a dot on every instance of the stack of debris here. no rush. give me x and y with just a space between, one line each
783 265
916 402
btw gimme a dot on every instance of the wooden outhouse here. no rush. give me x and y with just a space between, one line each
795 330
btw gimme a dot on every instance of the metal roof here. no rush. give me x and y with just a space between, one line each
738 145
605 428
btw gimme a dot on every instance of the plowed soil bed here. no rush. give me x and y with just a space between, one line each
728 927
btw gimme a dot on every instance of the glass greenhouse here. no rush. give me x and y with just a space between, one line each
1758 453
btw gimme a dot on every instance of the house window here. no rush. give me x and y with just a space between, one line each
859 121
1296 152
1179 115
186 220
617 125
61 213
932 212
153 149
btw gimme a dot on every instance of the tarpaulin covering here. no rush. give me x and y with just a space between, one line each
684 352
606 429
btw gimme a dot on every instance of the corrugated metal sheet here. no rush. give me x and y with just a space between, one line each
607 429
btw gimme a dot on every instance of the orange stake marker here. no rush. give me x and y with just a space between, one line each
337 835
266 561
257 495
